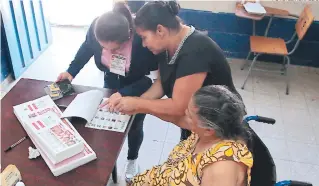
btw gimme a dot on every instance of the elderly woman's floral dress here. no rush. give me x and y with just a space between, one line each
185 168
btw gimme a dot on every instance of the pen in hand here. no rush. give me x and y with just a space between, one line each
16 143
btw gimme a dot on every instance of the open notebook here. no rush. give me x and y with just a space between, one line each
86 106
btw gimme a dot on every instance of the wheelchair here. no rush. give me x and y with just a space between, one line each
263 172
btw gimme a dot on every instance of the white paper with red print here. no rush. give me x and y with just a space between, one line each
59 143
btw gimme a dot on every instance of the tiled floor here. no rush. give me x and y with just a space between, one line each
293 140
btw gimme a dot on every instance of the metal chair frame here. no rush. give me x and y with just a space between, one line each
286 59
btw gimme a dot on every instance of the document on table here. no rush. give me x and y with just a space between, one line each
86 106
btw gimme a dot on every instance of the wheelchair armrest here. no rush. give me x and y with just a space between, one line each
293 183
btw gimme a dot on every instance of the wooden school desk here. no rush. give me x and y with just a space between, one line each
241 12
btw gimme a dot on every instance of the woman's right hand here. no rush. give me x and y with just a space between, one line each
110 102
65 75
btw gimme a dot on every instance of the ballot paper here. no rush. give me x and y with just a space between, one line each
41 118
86 106
106 120
58 142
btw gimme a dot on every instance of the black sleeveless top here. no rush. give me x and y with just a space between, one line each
198 54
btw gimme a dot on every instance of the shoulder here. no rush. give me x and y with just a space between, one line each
90 32
137 40
230 150
224 173
93 23
202 47
227 159
200 41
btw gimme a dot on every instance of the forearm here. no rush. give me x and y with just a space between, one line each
180 121
155 91
159 107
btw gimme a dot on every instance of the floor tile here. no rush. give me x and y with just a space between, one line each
121 182
145 161
277 130
311 91
155 129
265 99
257 128
289 101
296 116
238 82
314 114
305 172
250 109
173 134
303 153
248 97
283 169
239 77
278 148
266 83
312 102
150 154
300 133
2 94
168 147
295 89
316 132
7 83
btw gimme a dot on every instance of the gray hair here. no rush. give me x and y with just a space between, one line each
221 110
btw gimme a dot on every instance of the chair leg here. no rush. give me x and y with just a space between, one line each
287 75
246 62
249 71
283 68
114 174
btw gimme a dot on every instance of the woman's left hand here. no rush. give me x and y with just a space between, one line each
126 105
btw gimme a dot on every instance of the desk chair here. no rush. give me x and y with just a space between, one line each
276 46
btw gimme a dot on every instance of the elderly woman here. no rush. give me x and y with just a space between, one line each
216 153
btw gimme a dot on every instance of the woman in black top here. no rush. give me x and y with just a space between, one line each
113 34
188 60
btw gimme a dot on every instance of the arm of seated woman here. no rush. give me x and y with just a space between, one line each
224 173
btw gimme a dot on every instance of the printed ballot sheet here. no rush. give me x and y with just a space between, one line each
106 120
86 106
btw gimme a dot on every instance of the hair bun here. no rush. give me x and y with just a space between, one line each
173 7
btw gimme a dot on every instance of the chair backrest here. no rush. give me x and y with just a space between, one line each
305 19
263 172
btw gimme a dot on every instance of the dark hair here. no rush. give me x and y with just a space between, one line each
116 25
222 111
158 13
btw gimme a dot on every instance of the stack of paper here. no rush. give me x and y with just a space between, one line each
254 8
60 145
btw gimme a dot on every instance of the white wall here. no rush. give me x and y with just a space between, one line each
75 12
229 6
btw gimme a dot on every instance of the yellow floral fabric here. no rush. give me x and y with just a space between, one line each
183 168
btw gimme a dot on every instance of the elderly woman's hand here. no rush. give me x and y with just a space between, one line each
126 105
